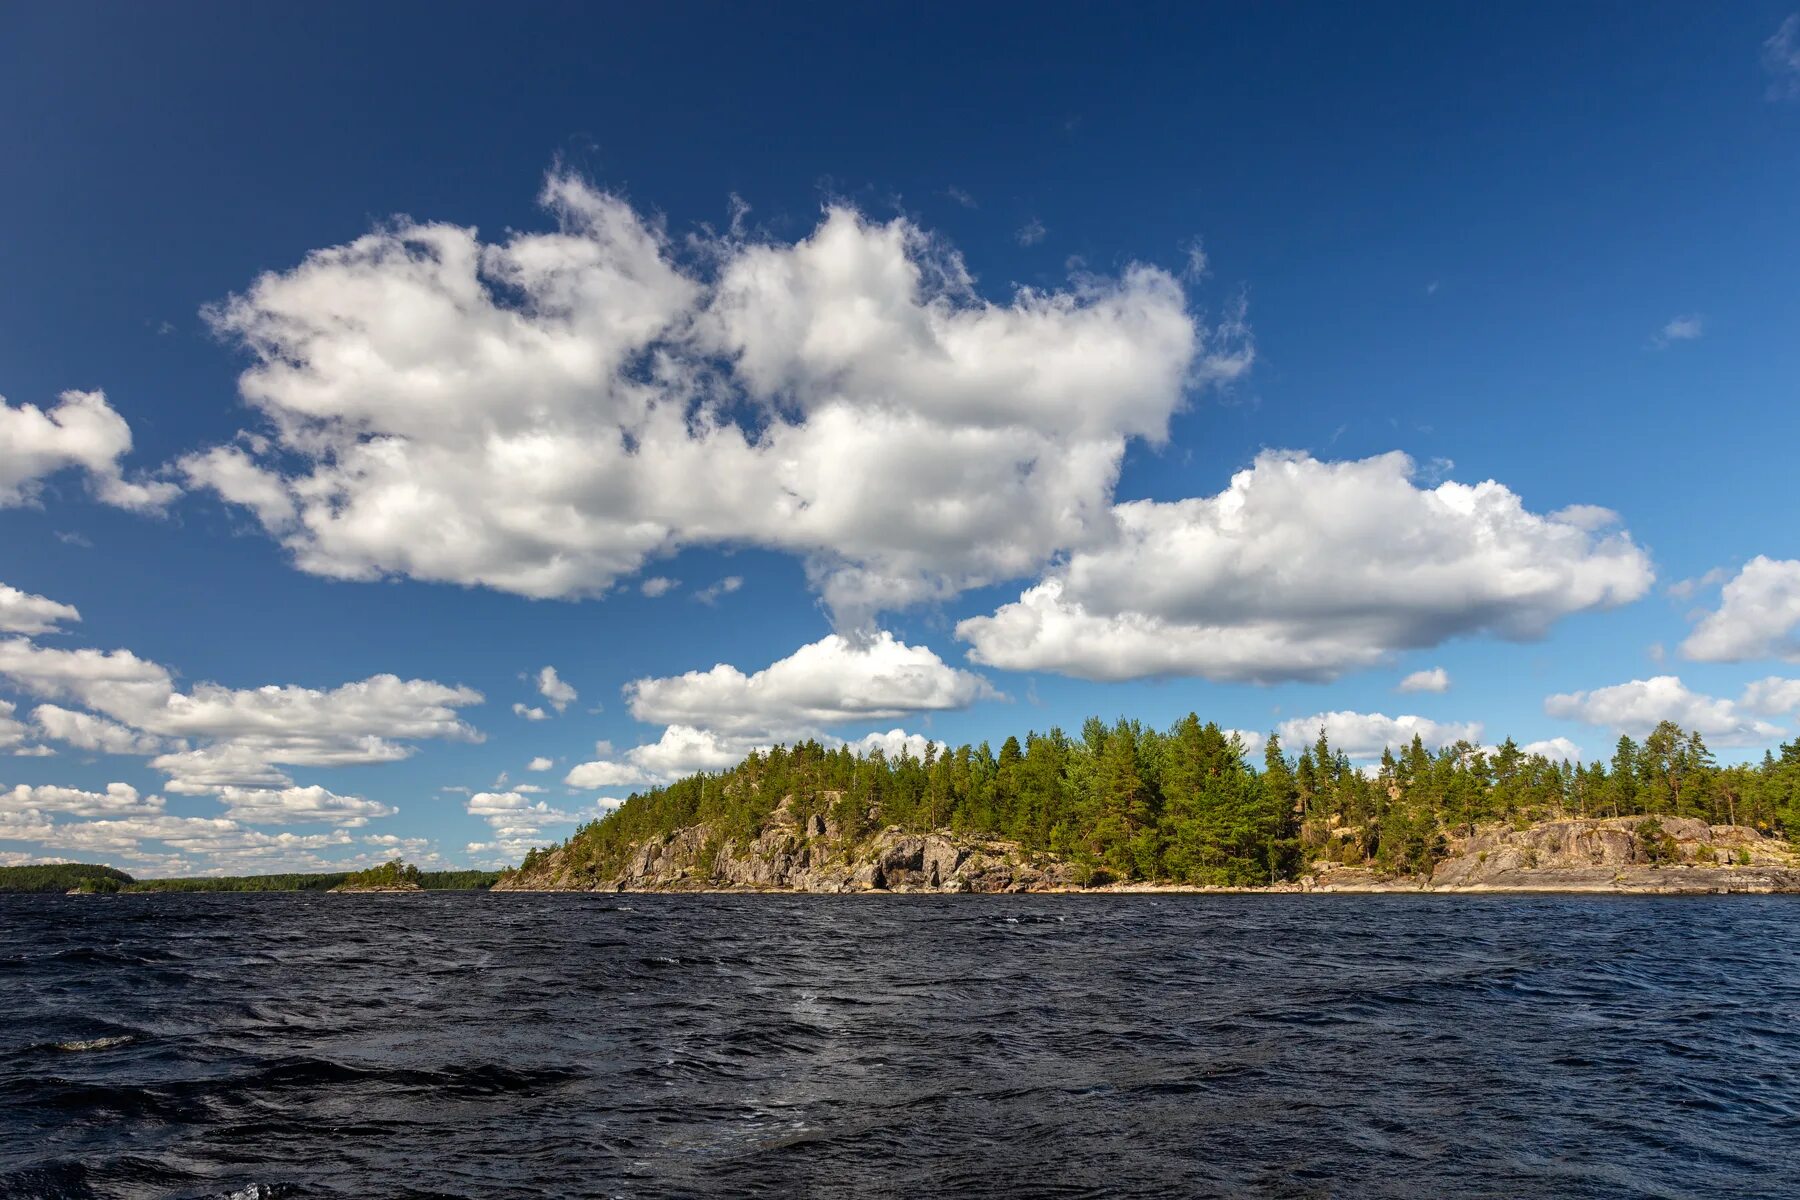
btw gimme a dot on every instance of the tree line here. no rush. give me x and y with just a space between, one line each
1123 801
62 877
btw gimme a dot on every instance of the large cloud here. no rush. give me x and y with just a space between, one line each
1302 569
542 415
85 731
81 433
713 719
1639 706
299 806
829 682
119 799
1772 696
243 733
1758 616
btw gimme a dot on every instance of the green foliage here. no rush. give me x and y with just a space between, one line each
62 877
392 873
1657 845
1126 802
458 881
454 881
244 883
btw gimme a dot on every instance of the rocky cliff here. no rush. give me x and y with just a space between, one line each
787 856
1665 855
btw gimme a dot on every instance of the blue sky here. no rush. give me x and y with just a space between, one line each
1546 248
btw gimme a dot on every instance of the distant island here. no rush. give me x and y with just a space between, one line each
93 879
1124 807
391 876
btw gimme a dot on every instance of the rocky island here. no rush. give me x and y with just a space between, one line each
1643 855
1125 808
391 876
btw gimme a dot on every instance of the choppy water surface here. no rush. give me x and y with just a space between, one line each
471 1045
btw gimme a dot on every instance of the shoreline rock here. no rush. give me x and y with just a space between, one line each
1611 856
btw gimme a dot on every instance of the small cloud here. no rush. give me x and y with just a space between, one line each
724 587
34 752
1657 652
961 197
540 763
658 585
1431 288
1781 59
530 714
739 209
459 791
71 538
1434 680
553 689
1197 264
1687 589
1032 232
1681 329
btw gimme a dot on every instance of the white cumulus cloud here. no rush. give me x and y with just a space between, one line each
1772 696
299 806
22 612
1638 706
543 414
85 731
119 799
82 433
1758 616
713 719
1303 569
243 733
555 690
1435 679
829 682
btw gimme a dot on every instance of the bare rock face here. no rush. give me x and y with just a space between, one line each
810 856
1618 854
789 854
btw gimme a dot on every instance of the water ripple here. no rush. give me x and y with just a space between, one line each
274 1046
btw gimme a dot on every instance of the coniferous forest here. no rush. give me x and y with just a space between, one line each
1188 805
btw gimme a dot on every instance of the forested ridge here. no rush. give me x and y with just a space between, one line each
61 877
1187 805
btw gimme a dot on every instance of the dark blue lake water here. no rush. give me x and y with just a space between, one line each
491 1046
